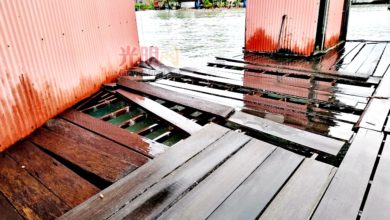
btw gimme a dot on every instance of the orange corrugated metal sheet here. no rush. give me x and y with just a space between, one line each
54 53
282 25
334 22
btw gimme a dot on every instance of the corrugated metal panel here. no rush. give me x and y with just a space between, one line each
334 22
282 25
54 53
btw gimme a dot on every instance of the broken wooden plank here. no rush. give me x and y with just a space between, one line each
300 196
185 100
8 212
345 193
103 165
201 201
66 184
113 133
31 199
255 193
83 136
378 200
151 203
161 111
375 115
384 63
371 63
133 185
290 134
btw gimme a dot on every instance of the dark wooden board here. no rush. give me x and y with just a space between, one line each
64 183
113 133
161 111
345 193
151 203
378 200
300 196
384 63
133 185
300 137
87 158
96 141
375 115
254 194
31 199
372 60
8 212
185 100
201 201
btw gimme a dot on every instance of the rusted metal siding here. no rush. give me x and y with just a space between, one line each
54 53
334 22
282 25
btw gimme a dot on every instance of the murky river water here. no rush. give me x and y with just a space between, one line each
192 37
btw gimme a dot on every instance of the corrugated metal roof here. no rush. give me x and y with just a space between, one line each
54 53
334 22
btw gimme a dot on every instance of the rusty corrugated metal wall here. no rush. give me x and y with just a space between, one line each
281 25
54 53
334 22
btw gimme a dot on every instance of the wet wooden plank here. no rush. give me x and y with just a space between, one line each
95 141
297 136
347 58
374 117
161 111
181 99
221 183
383 90
372 60
64 183
133 185
345 193
140 78
8 212
255 193
102 164
151 203
145 71
300 196
31 199
359 60
378 200
384 62
113 133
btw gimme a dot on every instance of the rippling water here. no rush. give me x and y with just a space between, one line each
191 37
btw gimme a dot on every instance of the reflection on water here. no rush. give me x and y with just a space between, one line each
199 35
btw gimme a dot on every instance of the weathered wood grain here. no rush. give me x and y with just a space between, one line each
345 193
133 185
161 111
201 201
307 139
371 63
378 200
64 183
185 100
255 193
359 59
113 133
384 62
8 212
375 115
383 90
87 158
31 199
151 203
300 196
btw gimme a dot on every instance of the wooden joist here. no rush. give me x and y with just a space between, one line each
113 133
159 197
31 199
220 184
378 200
300 196
256 192
290 134
344 196
133 185
64 183
185 100
161 111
